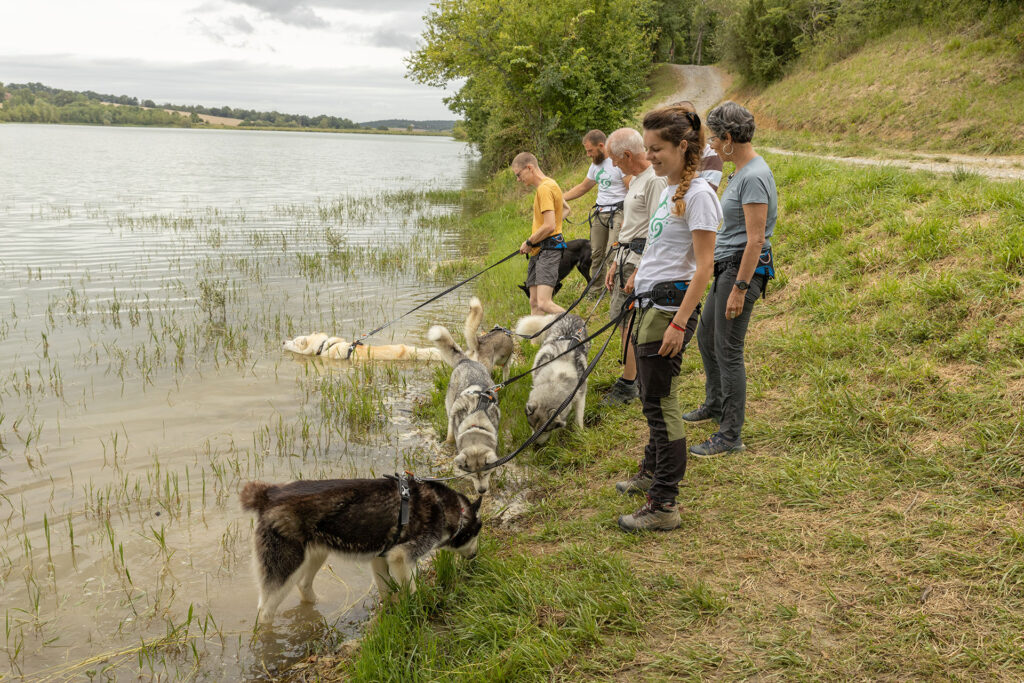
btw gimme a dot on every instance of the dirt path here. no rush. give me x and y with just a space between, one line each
706 86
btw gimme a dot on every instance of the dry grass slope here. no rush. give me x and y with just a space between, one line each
917 89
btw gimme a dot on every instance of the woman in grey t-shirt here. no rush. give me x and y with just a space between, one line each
749 206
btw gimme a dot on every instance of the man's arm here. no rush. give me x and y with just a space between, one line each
546 229
579 190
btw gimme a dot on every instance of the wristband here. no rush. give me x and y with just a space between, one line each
673 324
531 244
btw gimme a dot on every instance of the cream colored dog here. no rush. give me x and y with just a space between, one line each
336 348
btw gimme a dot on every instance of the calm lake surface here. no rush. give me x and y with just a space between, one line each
148 278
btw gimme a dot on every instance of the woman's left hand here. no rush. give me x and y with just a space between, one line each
734 306
671 342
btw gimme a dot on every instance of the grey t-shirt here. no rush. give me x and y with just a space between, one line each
752 184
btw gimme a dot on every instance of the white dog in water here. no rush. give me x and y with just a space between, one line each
319 344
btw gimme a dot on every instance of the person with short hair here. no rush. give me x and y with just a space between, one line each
743 264
606 216
545 242
626 149
710 163
670 281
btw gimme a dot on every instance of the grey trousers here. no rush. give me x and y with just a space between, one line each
721 348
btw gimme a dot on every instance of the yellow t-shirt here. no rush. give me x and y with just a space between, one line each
547 198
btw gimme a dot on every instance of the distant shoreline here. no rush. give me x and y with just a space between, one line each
293 129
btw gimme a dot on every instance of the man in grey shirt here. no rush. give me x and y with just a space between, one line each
626 149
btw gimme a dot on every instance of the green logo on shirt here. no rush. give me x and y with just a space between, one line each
603 181
657 222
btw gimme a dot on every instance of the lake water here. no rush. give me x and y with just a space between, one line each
147 281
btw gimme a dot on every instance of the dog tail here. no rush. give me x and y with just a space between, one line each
442 339
255 496
532 324
472 328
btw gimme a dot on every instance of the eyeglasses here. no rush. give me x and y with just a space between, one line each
518 173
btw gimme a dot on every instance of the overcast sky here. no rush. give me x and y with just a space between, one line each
339 57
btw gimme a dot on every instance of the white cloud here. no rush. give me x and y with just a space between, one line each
237 52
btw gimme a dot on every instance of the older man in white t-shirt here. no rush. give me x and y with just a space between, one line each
611 184
625 147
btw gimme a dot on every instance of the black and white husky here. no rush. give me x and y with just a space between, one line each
472 423
553 383
301 523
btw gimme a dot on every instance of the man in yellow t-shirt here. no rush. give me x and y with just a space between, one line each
545 243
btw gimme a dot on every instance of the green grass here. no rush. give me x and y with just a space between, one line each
941 89
873 526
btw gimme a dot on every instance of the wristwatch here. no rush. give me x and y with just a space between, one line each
742 285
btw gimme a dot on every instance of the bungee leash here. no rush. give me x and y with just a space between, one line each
358 342
491 395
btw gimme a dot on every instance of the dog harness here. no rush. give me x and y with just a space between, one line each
403 512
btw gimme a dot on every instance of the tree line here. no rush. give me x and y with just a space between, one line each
38 103
535 75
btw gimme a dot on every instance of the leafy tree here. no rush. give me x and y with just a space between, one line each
537 74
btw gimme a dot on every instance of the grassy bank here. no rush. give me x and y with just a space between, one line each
941 89
874 527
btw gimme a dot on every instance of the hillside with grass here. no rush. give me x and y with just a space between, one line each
873 529
919 88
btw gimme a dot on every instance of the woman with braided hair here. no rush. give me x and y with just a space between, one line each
669 282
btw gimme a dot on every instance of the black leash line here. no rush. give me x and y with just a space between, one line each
432 299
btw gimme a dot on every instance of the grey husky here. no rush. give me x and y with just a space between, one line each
553 383
301 523
472 423
493 348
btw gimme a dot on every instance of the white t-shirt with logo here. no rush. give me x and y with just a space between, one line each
610 188
669 254
641 203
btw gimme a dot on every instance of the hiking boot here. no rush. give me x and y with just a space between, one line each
716 445
635 485
702 414
653 516
621 393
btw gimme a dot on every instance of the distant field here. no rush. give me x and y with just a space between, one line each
923 89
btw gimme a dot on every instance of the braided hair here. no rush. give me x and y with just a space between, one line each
674 124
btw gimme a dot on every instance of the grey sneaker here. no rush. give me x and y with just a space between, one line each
653 516
635 485
699 415
621 393
716 445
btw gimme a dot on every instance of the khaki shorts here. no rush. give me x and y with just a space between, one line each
618 296
543 268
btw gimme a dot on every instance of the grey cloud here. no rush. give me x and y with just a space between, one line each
302 12
390 38
240 24
293 12
360 94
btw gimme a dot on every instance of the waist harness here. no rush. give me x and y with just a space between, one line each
553 242
597 210
765 266
664 294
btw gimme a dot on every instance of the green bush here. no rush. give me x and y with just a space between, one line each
537 74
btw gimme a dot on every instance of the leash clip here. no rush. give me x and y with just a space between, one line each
352 347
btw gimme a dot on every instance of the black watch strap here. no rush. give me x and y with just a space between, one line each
742 285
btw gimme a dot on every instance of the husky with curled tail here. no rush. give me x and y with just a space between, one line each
493 348
472 422
301 523
553 383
